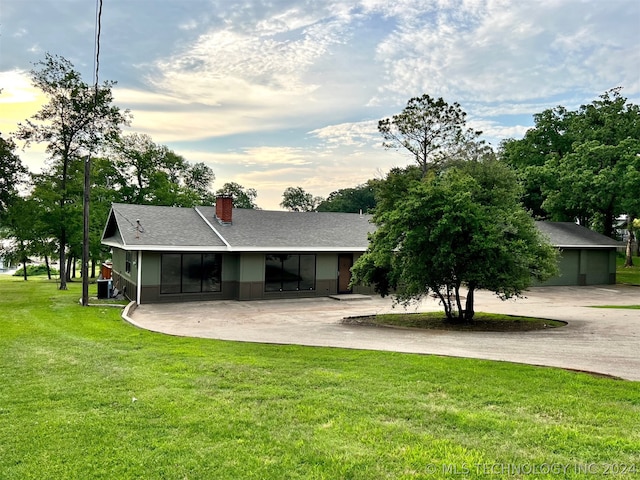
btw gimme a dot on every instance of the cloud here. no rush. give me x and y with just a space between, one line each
510 51
258 63
19 101
288 92
319 170
354 134
494 132
259 156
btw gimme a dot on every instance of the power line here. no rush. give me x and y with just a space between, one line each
96 46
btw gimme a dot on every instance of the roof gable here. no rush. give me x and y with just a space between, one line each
148 227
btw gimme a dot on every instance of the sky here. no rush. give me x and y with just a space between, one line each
278 93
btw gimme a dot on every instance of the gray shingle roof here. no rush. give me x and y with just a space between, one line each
567 234
173 228
275 230
160 227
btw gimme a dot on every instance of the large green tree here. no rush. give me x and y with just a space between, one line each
77 120
12 173
361 198
581 165
20 227
296 199
462 227
432 130
153 174
242 197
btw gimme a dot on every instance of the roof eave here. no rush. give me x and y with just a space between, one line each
293 248
167 248
586 246
224 249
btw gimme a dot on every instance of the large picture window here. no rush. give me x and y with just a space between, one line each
286 273
191 272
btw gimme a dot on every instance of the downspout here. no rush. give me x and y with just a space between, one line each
139 285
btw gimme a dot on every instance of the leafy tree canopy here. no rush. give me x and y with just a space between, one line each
153 174
76 119
12 173
461 227
351 200
296 199
581 165
430 129
242 197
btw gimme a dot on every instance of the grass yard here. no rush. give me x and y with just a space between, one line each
624 307
85 395
630 275
482 322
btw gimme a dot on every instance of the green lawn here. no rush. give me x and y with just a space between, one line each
630 275
482 322
84 395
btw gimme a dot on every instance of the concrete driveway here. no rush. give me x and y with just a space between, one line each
605 341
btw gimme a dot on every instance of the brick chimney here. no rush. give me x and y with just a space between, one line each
224 209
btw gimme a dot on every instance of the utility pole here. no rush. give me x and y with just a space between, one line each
85 231
87 172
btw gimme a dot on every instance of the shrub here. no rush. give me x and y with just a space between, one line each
33 270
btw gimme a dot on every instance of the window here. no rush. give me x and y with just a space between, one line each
127 261
190 272
286 273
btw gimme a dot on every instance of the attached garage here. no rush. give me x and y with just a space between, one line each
586 257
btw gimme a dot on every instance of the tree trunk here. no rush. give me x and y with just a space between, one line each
24 262
608 222
446 304
468 308
628 262
459 303
46 262
63 259
68 272
93 268
63 229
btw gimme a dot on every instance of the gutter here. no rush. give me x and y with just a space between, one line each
139 285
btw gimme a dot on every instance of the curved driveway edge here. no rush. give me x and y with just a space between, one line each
605 341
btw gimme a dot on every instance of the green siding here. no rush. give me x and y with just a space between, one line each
117 259
598 266
230 268
326 266
585 267
252 267
150 268
119 264
569 266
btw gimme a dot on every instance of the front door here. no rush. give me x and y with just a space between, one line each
345 262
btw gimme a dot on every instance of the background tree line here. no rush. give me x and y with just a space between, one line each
583 165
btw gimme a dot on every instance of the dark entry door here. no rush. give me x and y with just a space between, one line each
345 262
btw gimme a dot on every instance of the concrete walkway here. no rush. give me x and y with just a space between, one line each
605 341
